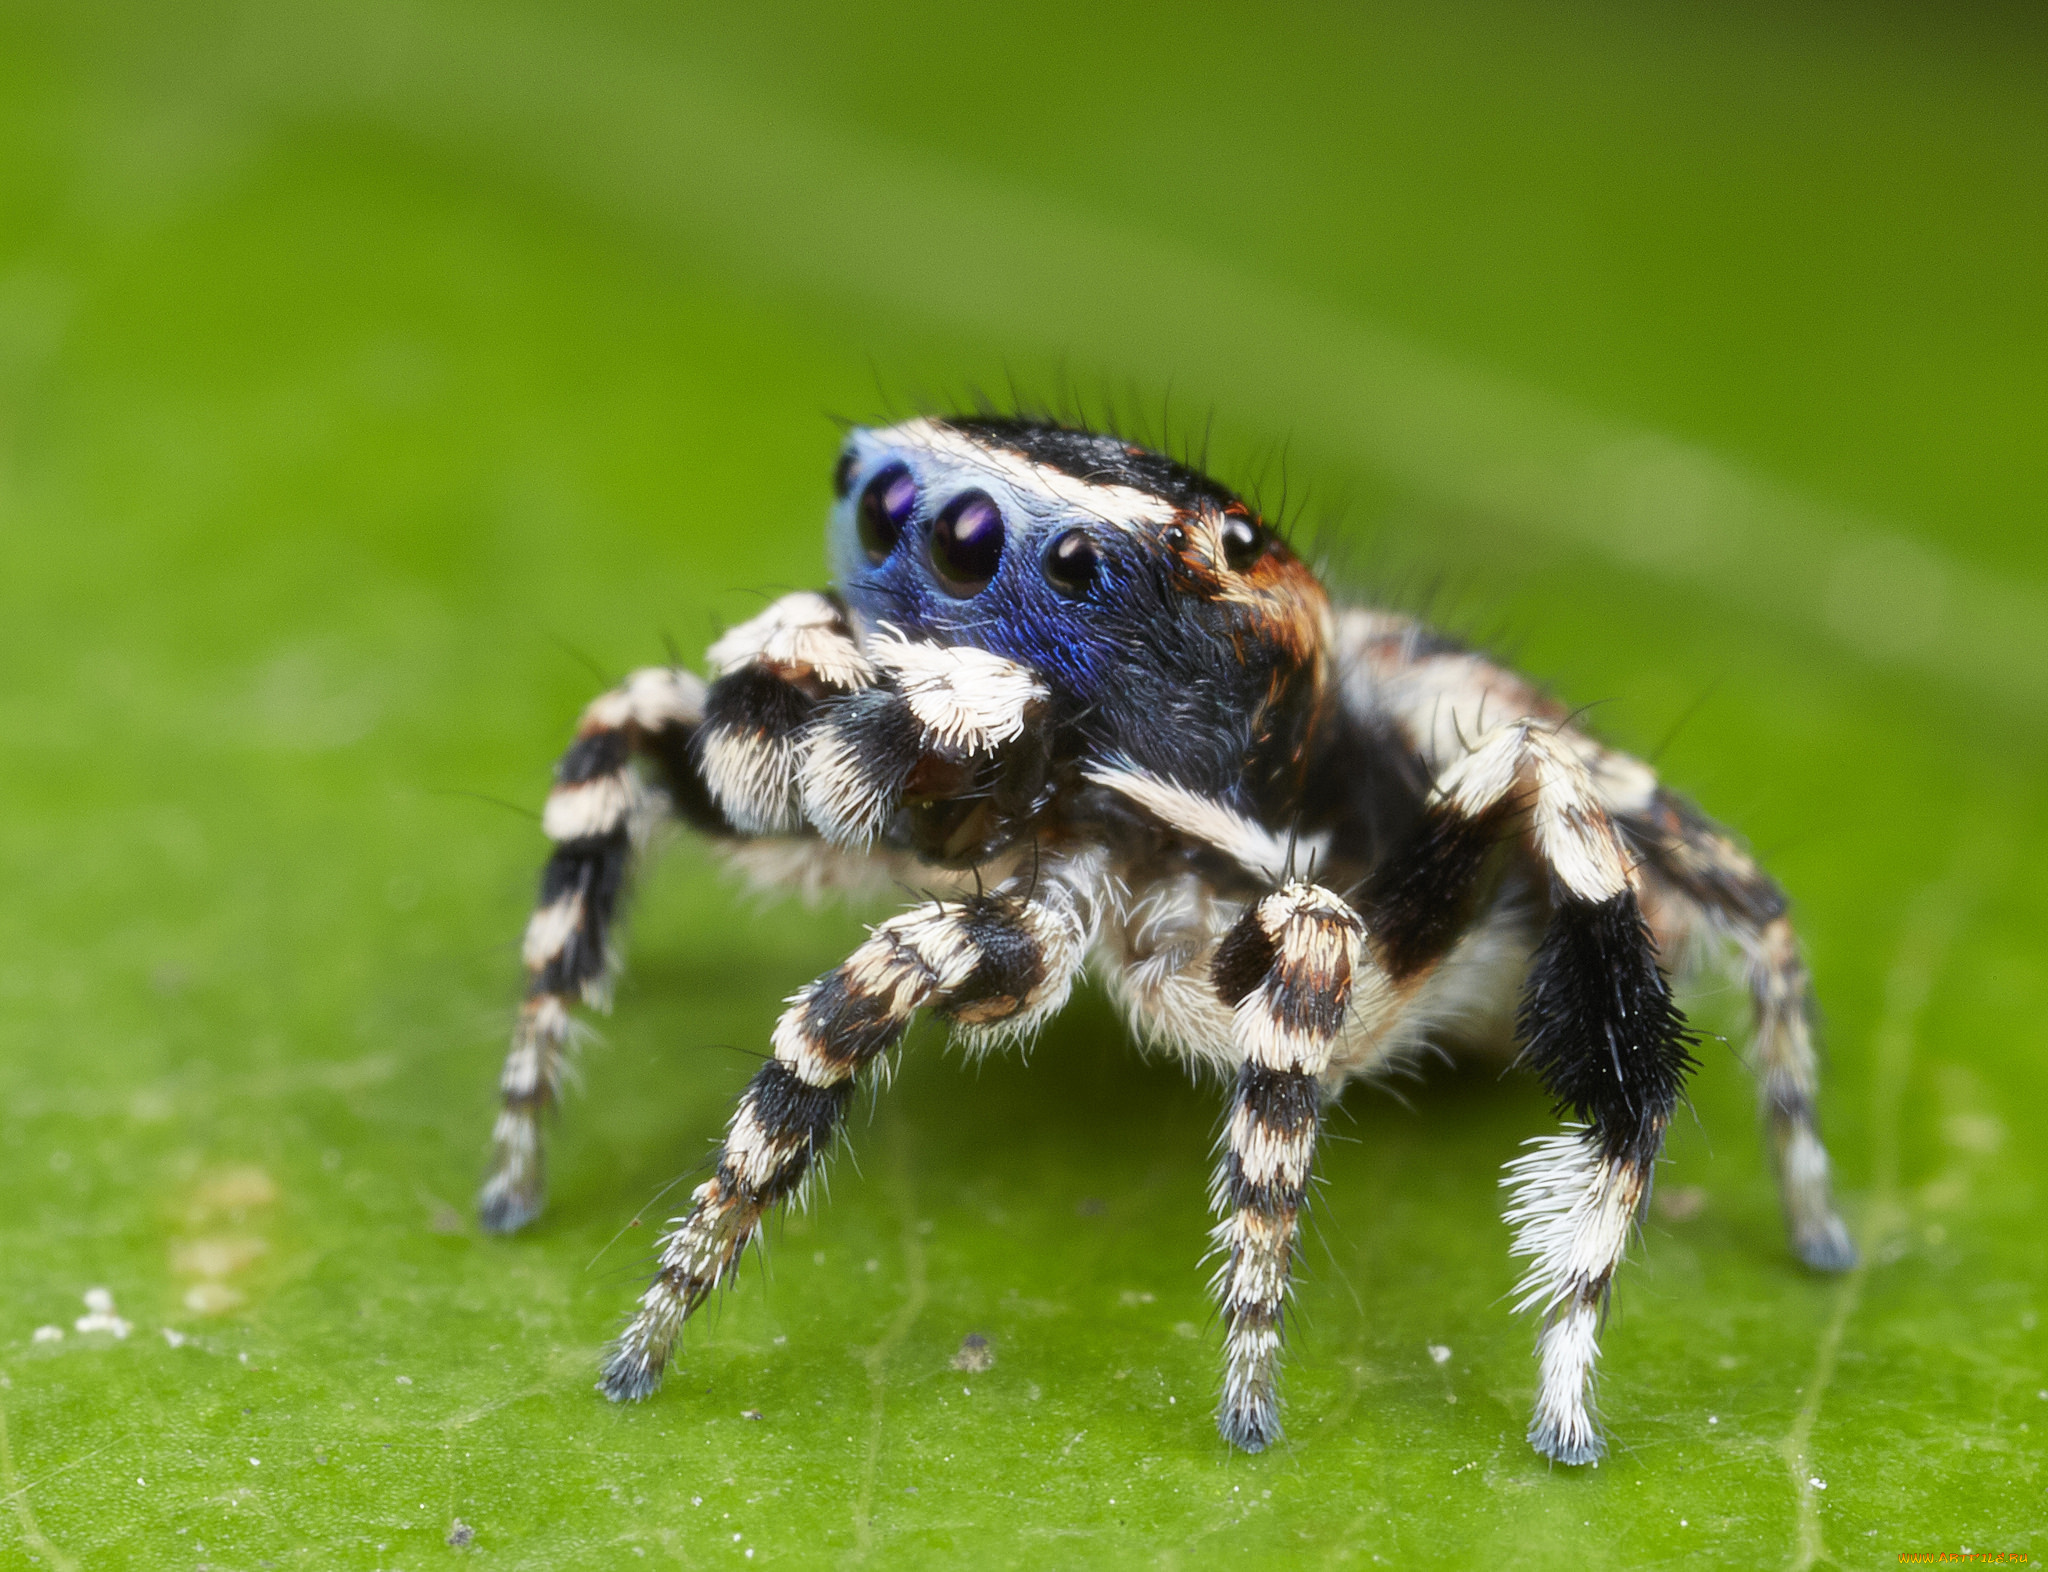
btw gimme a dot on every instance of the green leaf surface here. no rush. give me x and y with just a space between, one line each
377 380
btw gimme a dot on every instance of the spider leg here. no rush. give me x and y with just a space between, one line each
596 812
1690 880
722 757
1001 961
1288 970
1703 885
1600 1028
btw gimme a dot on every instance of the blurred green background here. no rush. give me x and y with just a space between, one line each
377 380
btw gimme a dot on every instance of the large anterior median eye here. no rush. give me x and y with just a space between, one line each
967 543
884 510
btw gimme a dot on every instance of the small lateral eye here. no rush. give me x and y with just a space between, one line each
885 507
967 543
1070 563
842 474
1243 541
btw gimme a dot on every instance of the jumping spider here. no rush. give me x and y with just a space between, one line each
1084 693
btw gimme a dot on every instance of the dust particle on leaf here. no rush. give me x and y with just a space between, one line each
460 1534
975 1354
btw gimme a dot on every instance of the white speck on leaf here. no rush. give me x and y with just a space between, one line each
47 1334
99 1316
1440 1354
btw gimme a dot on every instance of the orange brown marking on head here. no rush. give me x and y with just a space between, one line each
1284 607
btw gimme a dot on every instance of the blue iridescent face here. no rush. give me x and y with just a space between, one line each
1056 548
1168 623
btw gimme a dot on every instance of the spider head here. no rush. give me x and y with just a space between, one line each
1169 622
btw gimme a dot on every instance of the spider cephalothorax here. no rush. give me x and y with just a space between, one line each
1085 692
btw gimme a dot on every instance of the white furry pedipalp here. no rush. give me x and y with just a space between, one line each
968 699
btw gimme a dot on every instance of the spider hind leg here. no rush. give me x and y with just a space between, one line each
1702 886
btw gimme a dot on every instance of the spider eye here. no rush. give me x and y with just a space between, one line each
1070 563
842 474
967 543
1243 541
884 510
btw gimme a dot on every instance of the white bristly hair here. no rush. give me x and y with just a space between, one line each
801 631
969 700
1252 846
1572 1211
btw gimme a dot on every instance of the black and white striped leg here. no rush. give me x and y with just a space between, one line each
596 814
1600 1028
774 671
1788 1080
1707 887
724 758
1003 959
1290 970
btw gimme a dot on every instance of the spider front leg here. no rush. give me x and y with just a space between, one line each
725 759
995 964
595 814
1288 969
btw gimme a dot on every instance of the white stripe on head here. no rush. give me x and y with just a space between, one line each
1051 489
